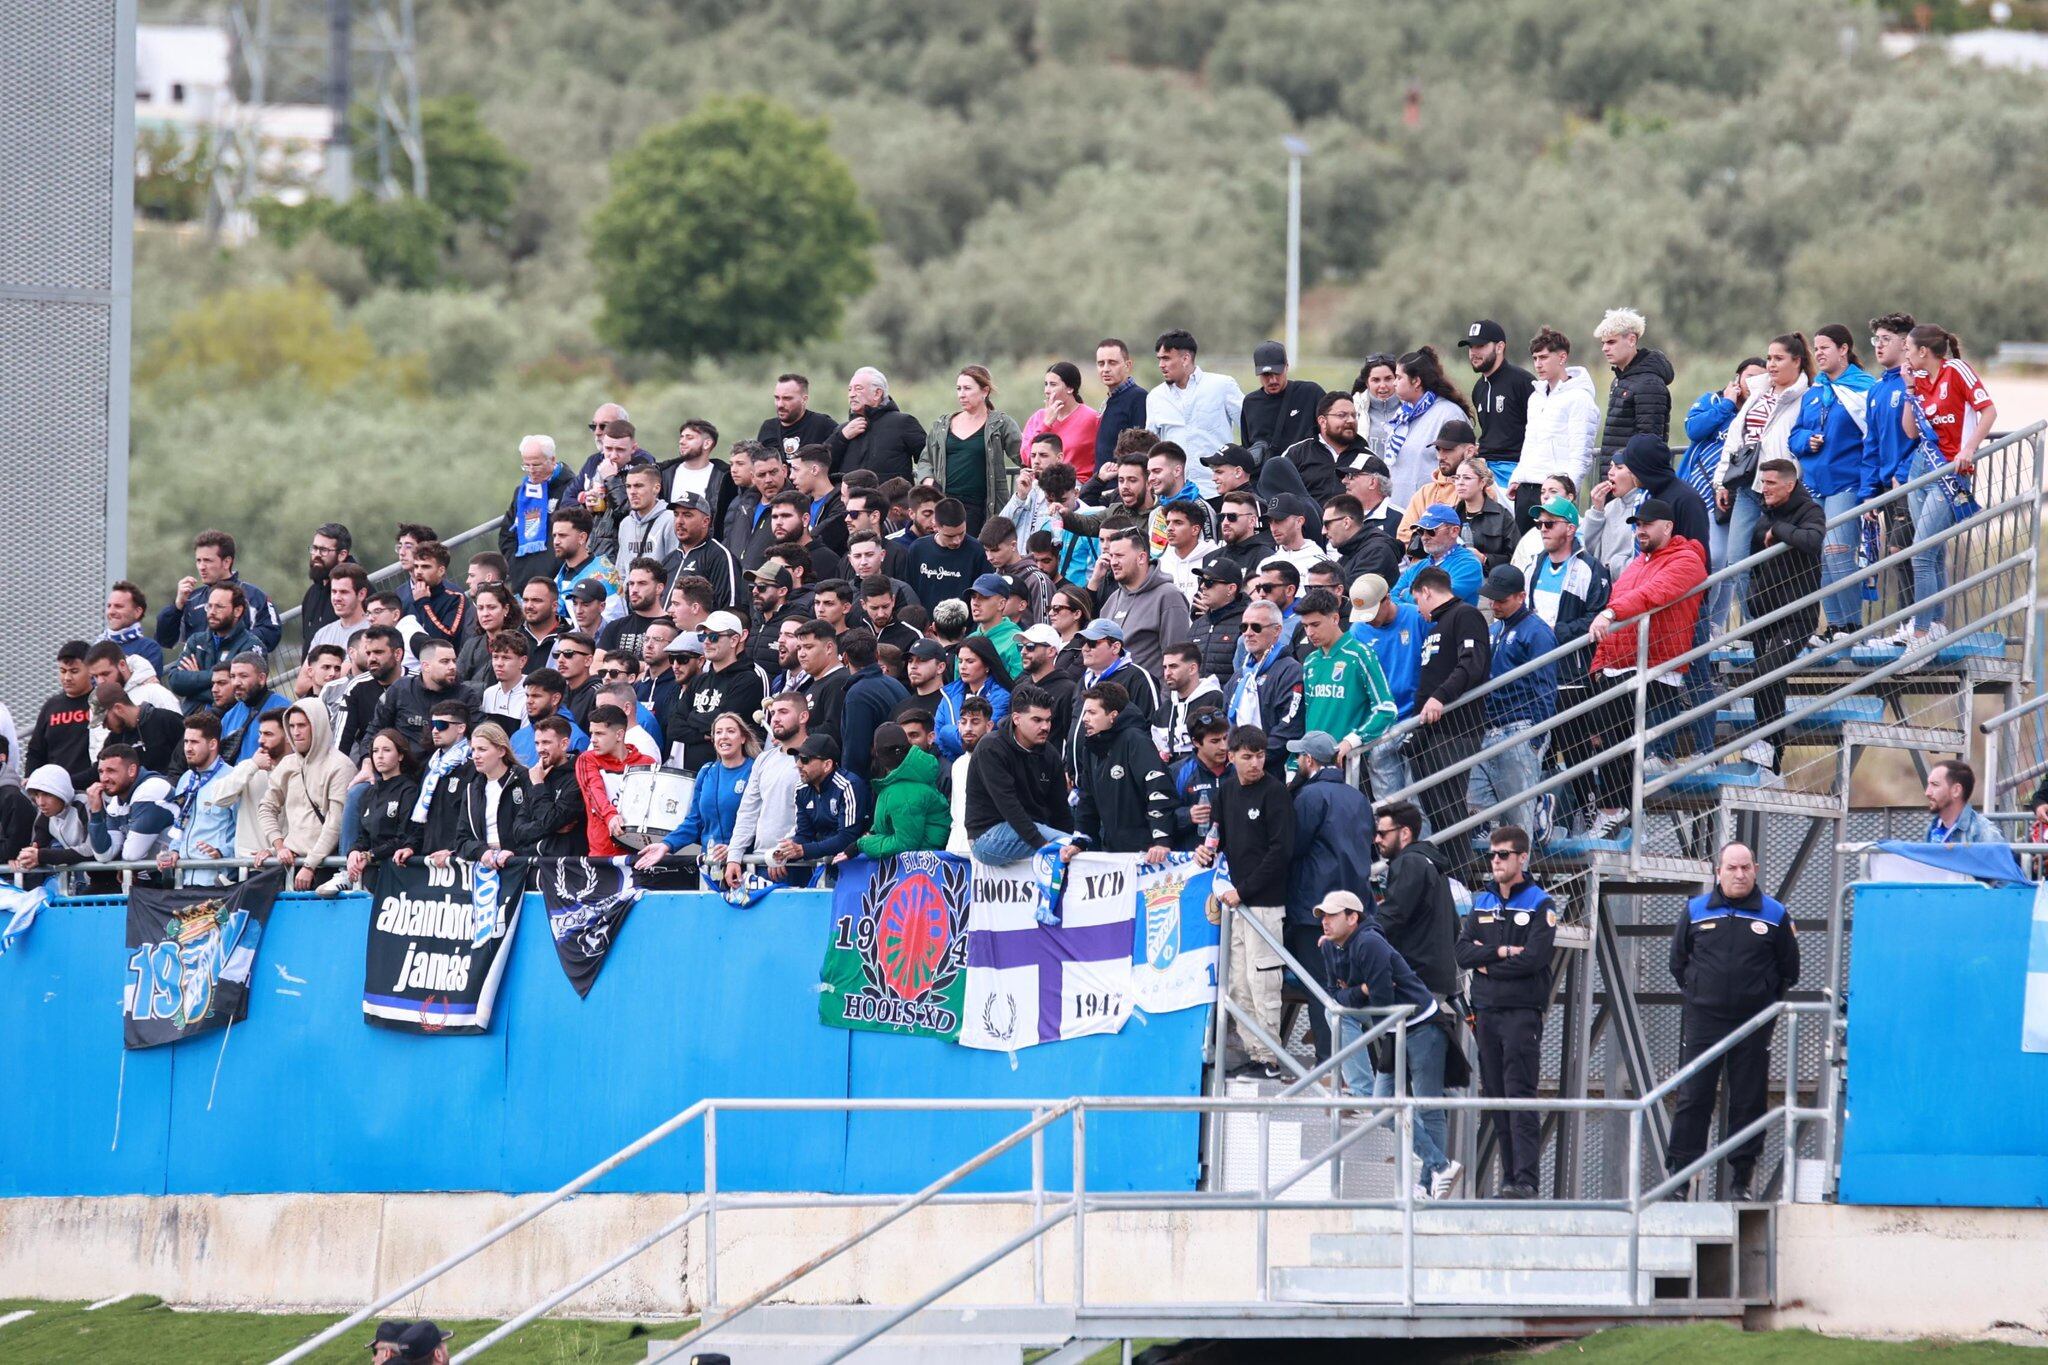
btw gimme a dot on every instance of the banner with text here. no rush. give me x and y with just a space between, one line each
586 903
894 960
190 957
438 941
1029 982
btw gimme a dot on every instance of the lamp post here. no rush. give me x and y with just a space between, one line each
1296 150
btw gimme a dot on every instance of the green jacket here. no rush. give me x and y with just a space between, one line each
1005 442
910 812
1344 692
1004 637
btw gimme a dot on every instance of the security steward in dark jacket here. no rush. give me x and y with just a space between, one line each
1506 944
1126 801
1416 911
1734 954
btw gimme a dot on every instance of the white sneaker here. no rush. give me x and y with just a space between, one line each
1760 753
1421 1195
1656 765
1444 1181
1903 636
334 885
1935 631
1605 822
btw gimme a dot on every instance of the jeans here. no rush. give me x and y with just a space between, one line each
1777 646
1509 773
1838 561
1427 1048
352 818
1436 748
1731 544
1387 769
999 844
1932 515
1302 942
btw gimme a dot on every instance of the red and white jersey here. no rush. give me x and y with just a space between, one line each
1953 397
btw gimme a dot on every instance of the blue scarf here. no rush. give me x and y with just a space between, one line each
530 515
1397 430
440 762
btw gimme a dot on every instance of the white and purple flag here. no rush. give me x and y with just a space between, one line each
1030 983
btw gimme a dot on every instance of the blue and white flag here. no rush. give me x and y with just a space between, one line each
490 913
1173 952
2034 1023
1029 982
21 908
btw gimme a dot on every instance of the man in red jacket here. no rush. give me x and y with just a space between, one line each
599 770
1659 581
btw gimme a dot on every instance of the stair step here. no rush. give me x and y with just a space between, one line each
1382 1250
1741 714
1927 739
1983 644
1701 1219
1784 799
802 1334
1591 1288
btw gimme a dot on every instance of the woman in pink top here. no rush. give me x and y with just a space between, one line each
1065 416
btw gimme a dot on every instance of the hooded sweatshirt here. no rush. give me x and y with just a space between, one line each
67 836
1563 430
1126 803
910 812
1827 439
302 806
1649 459
1153 615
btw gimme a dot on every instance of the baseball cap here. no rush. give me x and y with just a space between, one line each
689 642
589 590
1103 629
991 585
1560 507
1042 634
723 623
1236 456
1339 901
1652 509
1438 514
1221 568
927 648
388 1333
1365 462
1482 332
1502 581
1290 505
1456 432
1367 592
690 502
417 1342
1269 357
1319 745
818 746
771 575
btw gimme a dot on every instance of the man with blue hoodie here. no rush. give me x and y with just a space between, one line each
1828 440
1886 447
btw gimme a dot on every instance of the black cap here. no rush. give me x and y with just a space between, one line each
1221 568
1482 332
1235 456
1502 581
1456 432
1652 509
418 1342
1365 462
1269 357
690 502
388 1333
772 575
818 746
927 648
891 736
1290 505
589 590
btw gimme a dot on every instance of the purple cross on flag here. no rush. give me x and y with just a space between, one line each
1031 983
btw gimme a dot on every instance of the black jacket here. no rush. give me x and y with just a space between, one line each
1639 402
61 735
1248 555
1527 919
1455 659
870 698
1280 707
1255 828
1502 401
17 822
1215 633
890 446
1372 550
1491 533
719 488
160 734
316 608
541 564
387 816
1800 524
1269 423
455 814
407 704
1732 958
1008 783
553 823
1126 800
761 637
741 688
1420 918
1318 467
358 708
828 702
713 562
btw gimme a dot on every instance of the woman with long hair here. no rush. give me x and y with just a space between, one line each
981 673
387 808
1428 400
1067 417
497 798
1489 523
1372 393
1949 413
1706 431
1761 428
972 454
1829 441
1069 612
715 798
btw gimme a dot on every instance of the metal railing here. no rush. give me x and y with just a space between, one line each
1049 1211
2015 754
1996 591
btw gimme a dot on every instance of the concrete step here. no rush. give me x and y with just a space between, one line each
803 1334
1774 800
1699 1220
1382 1250
1588 1288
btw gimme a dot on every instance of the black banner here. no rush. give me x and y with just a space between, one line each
587 902
439 937
191 954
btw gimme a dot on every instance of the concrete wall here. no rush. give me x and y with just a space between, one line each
1913 1272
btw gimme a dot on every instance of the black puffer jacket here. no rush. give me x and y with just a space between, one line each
387 816
1639 403
890 446
1126 797
1215 633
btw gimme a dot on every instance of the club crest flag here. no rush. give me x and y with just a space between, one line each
587 903
1029 982
434 958
191 955
1173 952
894 961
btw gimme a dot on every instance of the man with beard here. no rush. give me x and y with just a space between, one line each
768 809
794 425
1334 445
878 604
643 609
729 681
330 548
1219 614
1242 531
443 613
697 555
878 436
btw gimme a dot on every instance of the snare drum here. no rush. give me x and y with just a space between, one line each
652 801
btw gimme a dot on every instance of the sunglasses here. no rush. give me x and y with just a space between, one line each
1497 854
611 674
441 724
1062 606
710 635
1240 516
1257 627
1268 587
1547 522
573 654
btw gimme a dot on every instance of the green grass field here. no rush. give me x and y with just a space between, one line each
142 1331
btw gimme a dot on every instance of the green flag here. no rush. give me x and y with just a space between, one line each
897 956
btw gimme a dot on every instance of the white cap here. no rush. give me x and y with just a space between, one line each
723 622
1368 591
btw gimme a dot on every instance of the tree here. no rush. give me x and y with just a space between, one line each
471 175
400 239
737 230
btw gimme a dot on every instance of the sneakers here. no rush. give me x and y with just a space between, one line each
334 885
1761 754
1738 1191
1605 823
1420 1195
1444 1181
1514 1190
1656 765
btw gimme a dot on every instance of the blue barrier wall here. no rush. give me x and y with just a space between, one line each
1943 1107
697 1000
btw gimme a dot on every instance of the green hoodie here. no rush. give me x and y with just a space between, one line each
910 812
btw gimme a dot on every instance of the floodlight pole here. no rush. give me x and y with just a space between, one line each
1296 150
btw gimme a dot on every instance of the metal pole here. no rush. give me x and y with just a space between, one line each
711 1213
340 170
1296 150
1080 1192
1218 1045
1265 1193
1635 1204
1038 1208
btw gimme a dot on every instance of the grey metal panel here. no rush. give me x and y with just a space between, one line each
58 88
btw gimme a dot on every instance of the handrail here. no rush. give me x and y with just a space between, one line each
391 570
